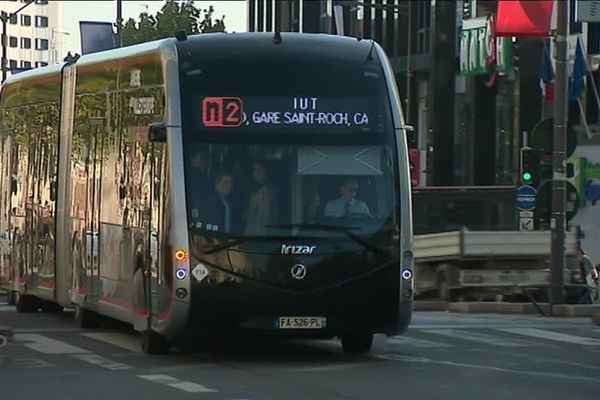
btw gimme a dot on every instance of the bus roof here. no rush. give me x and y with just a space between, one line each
226 44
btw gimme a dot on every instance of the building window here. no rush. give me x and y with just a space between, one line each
41 22
25 43
13 19
25 64
25 20
13 64
40 64
41 44
13 41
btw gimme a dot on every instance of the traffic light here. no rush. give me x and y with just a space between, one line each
529 167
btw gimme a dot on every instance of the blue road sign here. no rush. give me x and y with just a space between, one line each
526 197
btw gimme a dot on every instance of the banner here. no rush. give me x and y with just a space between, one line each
587 11
524 17
480 52
96 36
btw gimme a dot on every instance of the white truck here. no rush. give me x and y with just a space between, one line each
480 264
468 244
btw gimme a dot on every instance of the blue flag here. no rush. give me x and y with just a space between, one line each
96 36
579 71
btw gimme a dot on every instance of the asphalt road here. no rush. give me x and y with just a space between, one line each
443 356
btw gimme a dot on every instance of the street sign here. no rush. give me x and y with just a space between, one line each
544 210
543 135
525 224
526 198
526 214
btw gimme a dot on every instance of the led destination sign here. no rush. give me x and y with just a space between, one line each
293 114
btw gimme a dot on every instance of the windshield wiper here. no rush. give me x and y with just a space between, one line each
347 230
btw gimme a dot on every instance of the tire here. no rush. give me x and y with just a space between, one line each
358 343
443 289
153 343
26 303
51 307
86 318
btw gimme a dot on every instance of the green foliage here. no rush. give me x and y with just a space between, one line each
174 16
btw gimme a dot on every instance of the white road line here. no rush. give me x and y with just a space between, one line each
31 363
48 345
410 341
102 362
556 336
45 330
122 340
396 357
479 337
167 380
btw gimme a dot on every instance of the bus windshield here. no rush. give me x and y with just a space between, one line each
283 190
280 145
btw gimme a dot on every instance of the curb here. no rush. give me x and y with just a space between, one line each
430 305
475 307
576 310
523 308
562 310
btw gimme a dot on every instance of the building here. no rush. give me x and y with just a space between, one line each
470 105
406 30
33 35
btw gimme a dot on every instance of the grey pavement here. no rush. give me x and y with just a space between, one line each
443 356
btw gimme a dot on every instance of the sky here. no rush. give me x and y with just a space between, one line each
74 11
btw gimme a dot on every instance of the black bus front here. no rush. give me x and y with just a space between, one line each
293 190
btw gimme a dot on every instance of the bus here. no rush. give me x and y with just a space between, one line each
213 183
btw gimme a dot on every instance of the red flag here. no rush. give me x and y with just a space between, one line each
524 17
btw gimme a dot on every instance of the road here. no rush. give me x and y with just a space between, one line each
443 356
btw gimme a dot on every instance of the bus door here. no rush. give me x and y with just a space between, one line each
92 222
159 277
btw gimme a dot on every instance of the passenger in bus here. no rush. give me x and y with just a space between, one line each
263 205
201 186
347 203
216 213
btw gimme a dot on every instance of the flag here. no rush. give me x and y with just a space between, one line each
547 75
524 17
96 36
579 71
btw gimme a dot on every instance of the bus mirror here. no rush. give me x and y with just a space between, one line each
157 132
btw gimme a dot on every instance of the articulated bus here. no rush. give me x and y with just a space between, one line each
208 184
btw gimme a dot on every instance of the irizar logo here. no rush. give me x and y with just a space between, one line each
289 249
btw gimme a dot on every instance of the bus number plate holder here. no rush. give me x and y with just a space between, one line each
301 322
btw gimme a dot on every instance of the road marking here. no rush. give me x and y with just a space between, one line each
410 341
102 362
478 337
556 336
48 345
167 380
397 357
122 340
31 363
46 330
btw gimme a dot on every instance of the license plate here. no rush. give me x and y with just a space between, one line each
302 322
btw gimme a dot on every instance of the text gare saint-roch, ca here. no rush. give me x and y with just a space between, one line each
306 113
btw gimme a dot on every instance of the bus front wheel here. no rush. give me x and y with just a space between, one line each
153 343
357 343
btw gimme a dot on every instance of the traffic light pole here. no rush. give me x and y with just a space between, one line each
558 220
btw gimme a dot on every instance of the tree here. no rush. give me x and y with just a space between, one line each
174 16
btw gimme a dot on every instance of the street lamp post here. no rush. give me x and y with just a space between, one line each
5 17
